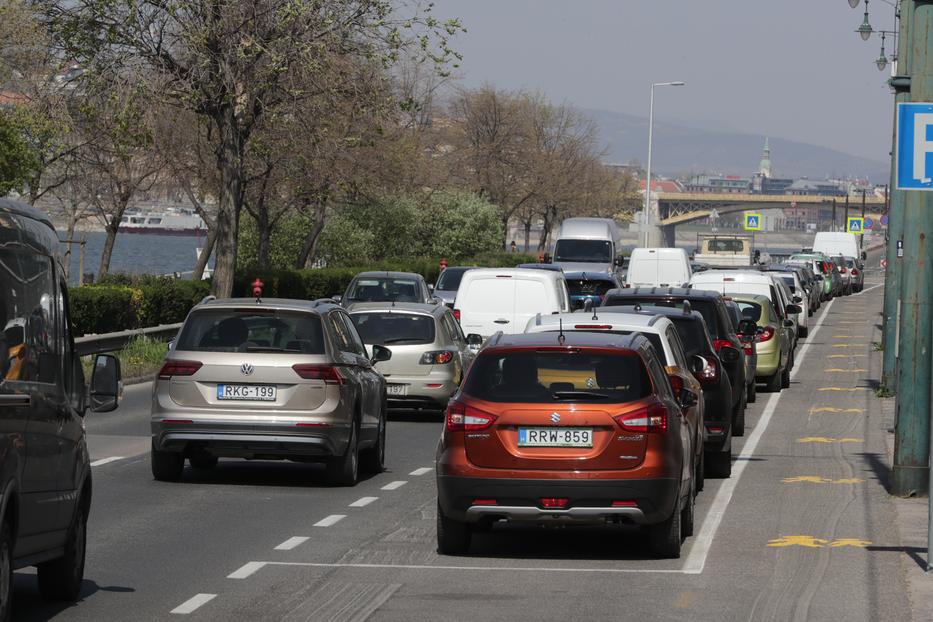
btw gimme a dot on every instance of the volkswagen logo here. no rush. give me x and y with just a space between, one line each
555 418
246 369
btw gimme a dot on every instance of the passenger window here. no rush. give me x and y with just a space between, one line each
349 337
677 348
72 371
27 308
454 329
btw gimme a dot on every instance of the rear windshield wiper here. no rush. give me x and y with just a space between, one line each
269 349
413 340
579 395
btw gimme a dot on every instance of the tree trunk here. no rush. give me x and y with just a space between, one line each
112 227
310 245
206 251
527 233
72 224
505 231
230 201
265 234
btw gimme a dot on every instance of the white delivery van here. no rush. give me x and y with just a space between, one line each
587 245
490 300
658 267
834 243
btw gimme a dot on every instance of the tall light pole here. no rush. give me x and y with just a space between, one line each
649 220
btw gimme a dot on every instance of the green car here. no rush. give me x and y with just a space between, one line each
773 342
816 262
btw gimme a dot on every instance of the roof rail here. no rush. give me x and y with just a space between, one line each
323 301
208 299
538 319
687 308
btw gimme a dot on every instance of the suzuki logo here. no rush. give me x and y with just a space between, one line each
246 369
555 418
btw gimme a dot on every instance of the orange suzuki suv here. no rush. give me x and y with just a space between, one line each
570 427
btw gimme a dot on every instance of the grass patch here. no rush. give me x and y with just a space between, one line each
884 391
141 357
877 346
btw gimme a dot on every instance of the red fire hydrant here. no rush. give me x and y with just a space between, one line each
257 288
443 263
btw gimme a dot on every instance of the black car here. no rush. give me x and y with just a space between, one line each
591 286
707 366
721 332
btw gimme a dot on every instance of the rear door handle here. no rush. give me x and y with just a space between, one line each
501 321
8 399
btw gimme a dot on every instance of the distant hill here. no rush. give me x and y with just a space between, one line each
680 149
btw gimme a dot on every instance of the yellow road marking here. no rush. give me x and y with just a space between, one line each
851 480
845 356
850 542
816 479
836 370
685 600
843 337
841 389
847 345
826 439
812 542
831 409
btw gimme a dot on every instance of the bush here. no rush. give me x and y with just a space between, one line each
107 309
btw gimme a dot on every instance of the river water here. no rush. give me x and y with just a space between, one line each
137 253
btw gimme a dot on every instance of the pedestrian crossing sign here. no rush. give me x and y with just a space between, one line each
855 225
753 222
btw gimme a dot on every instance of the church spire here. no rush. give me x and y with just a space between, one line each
764 168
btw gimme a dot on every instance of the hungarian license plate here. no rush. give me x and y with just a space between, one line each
397 389
555 437
246 392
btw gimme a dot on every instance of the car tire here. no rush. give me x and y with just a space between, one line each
803 331
773 383
6 571
688 514
453 537
61 579
752 393
345 470
719 464
167 466
665 538
373 460
738 417
701 472
203 462
785 378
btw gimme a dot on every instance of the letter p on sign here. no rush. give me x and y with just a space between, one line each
914 146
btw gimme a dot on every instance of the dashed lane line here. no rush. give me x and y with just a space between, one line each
394 485
291 543
333 519
703 542
104 461
246 570
362 502
421 471
192 604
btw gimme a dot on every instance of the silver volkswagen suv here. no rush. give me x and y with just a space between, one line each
269 380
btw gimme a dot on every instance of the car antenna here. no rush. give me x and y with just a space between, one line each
594 313
560 335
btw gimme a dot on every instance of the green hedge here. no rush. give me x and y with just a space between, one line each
122 302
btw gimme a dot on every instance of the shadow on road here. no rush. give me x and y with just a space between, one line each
236 472
912 551
611 542
879 467
29 605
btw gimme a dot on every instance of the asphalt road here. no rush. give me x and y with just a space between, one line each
802 531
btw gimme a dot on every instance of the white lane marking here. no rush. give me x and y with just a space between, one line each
421 471
246 570
104 461
291 543
483 568
868 289
394 485
703 542
333 519
193 603
362 502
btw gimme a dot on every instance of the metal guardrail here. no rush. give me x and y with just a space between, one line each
110 342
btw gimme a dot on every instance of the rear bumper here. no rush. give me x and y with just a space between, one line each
590 501
242 440
431 391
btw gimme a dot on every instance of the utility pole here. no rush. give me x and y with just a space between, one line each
834 214
895 209
846 219
915 341
861 238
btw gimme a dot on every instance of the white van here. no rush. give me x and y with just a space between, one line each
587 245
835 243
658 267
490 300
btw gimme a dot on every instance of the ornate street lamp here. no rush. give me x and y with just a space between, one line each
865 29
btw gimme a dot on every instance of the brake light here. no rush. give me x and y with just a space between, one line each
484 502
650 419
749 349
457 314
439 357
179 368
854 272
766 334
463 418
624 504
710 373
177 421
554 503
330 375
593 327
719 344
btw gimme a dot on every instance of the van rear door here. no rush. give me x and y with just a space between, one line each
488 305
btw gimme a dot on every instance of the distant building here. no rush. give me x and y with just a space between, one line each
661 185
764 167
819 188
718 184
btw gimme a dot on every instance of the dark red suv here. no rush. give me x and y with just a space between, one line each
567 428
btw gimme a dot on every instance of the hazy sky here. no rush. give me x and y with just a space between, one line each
788 68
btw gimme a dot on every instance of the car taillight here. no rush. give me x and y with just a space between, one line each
650 419
457 314
327 373
766 334
179 368
439 357
463 418
749 349
710 374
719 344
854 272
554 503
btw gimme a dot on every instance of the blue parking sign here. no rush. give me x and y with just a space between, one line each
914 148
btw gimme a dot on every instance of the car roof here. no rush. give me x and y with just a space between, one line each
21 209
399 307
663 292
570 338
638 320
748 276
513 272
387 273
756 298
540 266
284 304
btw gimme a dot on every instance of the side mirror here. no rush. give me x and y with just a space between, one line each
380 354
788 323
618 261
106 383
793 309
474 340
430 288
728 354
171 345
687 399
798 298
697 364
338 298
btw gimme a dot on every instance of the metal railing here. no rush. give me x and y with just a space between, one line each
111 342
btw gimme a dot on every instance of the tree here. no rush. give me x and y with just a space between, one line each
17 161
234 63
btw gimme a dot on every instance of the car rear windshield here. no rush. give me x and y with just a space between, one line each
726 246
583 251
554 377
706 308
249 330
589 287
386 329
692 335
450 280
384 289
749 310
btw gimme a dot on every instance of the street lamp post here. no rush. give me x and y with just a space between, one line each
649 220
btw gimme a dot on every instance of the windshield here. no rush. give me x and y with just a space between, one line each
725 246
245 330
705 308
382 328
583 251
789 280
384 289
654 338
449 280
587 287
550 377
